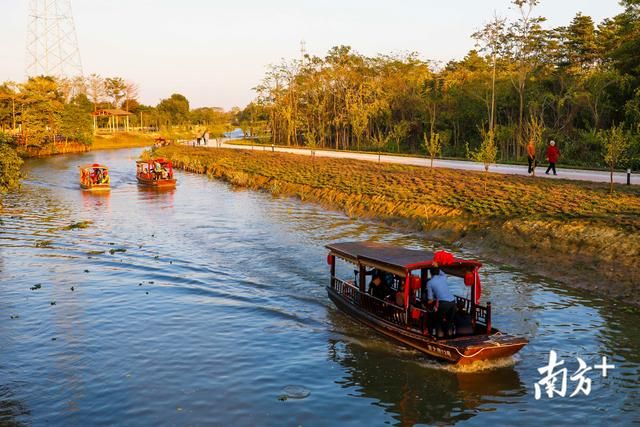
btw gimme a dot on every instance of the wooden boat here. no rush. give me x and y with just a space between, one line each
155 173
95 177
413 321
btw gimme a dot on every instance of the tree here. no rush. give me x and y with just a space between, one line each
491 39
116 89
41 110
379 140
76 123
615 148
433 145
175 109
487 152
130 94
526 42
10 164
9 94
96 89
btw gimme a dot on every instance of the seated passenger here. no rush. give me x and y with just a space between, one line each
438 290
379 289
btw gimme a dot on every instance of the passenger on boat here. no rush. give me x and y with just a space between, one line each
157 169
438 290
98 176
378 288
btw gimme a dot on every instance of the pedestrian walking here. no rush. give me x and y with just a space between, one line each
531 157
205 137
552 157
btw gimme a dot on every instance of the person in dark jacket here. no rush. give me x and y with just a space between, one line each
552 157
378 288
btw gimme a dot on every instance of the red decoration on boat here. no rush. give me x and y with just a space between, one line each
472 278
443 258
415 283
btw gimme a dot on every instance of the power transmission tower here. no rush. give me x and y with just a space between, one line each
52 44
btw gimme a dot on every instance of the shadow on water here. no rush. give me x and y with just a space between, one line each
412 388
11 409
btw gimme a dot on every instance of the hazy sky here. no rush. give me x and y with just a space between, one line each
214 51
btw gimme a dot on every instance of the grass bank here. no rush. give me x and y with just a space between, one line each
574 232
122 140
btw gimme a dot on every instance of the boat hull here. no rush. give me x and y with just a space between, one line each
159 183
96 187
462 350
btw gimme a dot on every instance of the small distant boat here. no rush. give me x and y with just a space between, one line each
95 177
410 319
156 173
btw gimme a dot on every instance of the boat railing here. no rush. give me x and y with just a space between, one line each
380 308
479 314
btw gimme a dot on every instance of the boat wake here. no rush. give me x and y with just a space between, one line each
474 367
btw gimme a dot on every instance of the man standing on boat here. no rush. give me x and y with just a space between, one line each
438 290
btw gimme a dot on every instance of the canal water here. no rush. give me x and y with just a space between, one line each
206 306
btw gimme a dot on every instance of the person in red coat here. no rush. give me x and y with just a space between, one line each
552 157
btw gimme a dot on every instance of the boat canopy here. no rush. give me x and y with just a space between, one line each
93 166
160 160
399 260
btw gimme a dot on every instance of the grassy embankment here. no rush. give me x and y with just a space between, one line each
122 140
574 232
100 142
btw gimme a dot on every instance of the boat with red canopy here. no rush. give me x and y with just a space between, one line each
95 177
408 317
157 173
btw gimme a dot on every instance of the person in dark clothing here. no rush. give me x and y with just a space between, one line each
552 156
378 288
438 290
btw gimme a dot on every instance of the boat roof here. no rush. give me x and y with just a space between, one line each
93 166
158 159
396 259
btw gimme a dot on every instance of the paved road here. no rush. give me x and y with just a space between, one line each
572 174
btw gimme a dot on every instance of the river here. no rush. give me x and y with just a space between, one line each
200 306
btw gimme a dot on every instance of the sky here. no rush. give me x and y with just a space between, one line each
214 52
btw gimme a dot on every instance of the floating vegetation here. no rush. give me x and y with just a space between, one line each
294 392
95 252
113 251
43 244
86 271
77 225
53 303
36 287
14 316
72 289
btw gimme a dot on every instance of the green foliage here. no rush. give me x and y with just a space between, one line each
616 145
10 164
76 122
487 153
432 145
174 110
574 79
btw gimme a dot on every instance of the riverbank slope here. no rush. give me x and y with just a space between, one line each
573 232
100 142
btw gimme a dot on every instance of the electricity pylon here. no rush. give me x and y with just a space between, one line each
52 44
